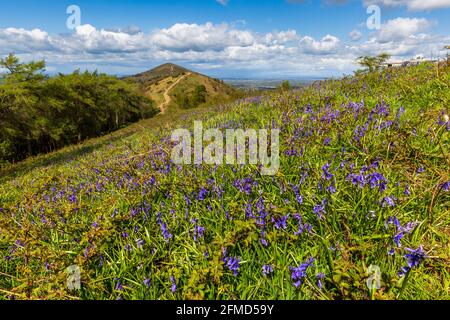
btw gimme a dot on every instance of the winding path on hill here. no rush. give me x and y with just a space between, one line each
167 98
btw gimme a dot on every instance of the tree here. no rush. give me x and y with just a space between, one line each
40 114
372 63
198 96
285 86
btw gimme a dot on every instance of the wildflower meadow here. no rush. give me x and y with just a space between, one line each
359 208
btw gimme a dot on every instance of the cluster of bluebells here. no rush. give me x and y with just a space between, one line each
245 185
198 231
365 178
302 227
281 223
267 270
164 230
298 196
415 258
401 231
319 209
388 201
231 263
299 273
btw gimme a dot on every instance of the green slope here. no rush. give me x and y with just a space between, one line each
116 206
156 82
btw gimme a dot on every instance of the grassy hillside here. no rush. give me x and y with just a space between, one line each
364 180
157 74
173 87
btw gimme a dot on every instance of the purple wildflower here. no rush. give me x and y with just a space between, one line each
282 222
332 188
173 288
407 191
357 180
165 231
198 230
327 175
140 243
299 273
248 211
232 264
319 209
377 180
415 258
202 194
147 283
267 270
388 202
320 276
298 196
401 230
119 286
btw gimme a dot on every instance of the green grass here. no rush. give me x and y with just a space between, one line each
110 178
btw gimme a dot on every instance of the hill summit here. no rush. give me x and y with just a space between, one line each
172 86
159 73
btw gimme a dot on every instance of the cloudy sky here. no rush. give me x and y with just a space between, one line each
223 38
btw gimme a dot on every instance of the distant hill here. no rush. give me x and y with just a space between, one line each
159 73
172 86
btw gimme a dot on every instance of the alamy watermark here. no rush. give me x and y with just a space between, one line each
74 19
73 278
374 279
232 151
374 20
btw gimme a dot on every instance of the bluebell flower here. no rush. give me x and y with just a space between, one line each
299 273
173 288
267 270
248 211
198 230
407 191
147 283
415 258
320 276
377 180
165 232
140 243
357 180
332 188
282 222
232 264
202 194
119 286
388 202
326 175
319 209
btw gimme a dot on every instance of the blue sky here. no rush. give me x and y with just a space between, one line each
278 38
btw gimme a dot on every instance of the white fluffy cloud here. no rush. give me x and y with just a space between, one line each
416 5
402 28
217 46
355 35
185 37
327 45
